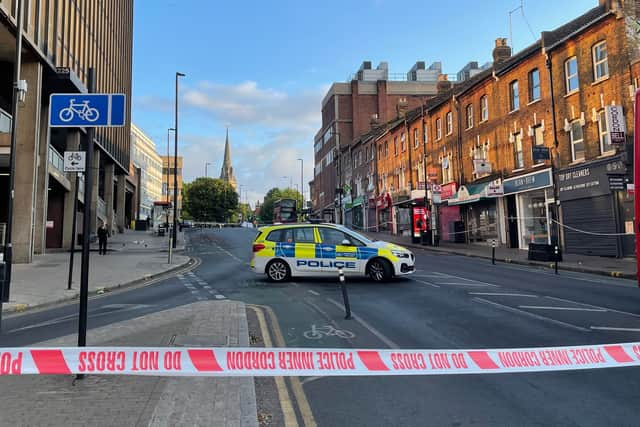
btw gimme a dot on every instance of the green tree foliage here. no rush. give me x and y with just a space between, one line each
266 210
209 199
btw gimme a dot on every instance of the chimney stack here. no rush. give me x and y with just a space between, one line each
443 84
402 107
374 122
502 51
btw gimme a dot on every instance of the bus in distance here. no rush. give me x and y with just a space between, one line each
284 210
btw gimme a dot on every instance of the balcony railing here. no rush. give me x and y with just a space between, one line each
56 159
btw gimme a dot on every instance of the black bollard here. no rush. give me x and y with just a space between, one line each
345 296
556 258
493 252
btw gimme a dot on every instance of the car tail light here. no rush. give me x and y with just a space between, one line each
257 247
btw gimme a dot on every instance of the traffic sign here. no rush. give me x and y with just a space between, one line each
74 161
87 110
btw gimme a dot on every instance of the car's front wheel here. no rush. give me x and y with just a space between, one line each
379 270
278 271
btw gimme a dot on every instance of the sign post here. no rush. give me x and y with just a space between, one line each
636 179
90 111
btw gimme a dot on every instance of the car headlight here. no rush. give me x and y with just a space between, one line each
400 254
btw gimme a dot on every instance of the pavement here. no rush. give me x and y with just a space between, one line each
142 400
614 267
132 257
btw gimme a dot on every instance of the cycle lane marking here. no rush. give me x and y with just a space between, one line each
367 326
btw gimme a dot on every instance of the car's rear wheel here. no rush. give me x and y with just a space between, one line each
278 271
379 270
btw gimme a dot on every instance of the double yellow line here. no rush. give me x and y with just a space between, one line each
286 404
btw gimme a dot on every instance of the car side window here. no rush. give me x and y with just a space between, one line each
284 235
303 235
336 237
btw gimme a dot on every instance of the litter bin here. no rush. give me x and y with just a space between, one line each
427 237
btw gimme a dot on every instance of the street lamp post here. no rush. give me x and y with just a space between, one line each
168 169
302 182
175 169
205 169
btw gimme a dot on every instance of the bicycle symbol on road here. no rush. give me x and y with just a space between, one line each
327 331
82 109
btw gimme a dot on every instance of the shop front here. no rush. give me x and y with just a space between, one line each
383 209
355 213
449 219
595 209
479 209
529 199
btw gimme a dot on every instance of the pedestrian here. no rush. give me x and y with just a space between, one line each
103 233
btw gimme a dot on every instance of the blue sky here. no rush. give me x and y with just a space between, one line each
262 67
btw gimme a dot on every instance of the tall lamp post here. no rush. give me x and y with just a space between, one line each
205 169
302 181
168 168
175 170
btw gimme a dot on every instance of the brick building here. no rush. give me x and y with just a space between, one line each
521 150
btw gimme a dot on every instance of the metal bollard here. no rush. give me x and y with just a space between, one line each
556 258
493 252
170 250
345 296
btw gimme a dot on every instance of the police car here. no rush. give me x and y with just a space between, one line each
283 251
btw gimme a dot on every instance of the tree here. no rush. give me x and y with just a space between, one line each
209 199
266 209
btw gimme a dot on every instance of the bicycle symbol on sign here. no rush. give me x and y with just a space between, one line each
82 109
327 331
75 156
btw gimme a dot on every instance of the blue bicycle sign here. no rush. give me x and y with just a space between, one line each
87 110
82 109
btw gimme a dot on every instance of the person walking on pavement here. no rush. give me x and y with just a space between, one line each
102 239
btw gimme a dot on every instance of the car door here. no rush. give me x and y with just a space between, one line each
339 251
306 261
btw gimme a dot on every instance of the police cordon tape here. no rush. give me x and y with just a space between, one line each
227 362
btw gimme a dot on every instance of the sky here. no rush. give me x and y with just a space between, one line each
261 68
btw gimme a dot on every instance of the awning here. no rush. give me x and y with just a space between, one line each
475 192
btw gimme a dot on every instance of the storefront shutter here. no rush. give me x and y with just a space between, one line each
594 215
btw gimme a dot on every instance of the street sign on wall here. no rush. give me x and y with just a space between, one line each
615 124
74 161
87 110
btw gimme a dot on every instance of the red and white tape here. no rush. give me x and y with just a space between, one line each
308 361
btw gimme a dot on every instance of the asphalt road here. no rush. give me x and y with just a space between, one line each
450 302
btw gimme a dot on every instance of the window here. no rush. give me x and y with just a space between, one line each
605 142
514 96
395 146
403 142
577 141
517 151
425 133
571 74
416 142
282 235
538 140
449 123
469 116
484 108
446 170
438 129
303 235
332 236
600 62
386 149
534 85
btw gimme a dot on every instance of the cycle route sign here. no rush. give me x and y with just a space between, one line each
74 161
87 110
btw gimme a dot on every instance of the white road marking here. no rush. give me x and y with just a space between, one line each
608 328
484 285
207 287
542 307
595 306
220 296
425 282
501 294
201 298
471 280
313 293
370 328
195 292
529 314
212 291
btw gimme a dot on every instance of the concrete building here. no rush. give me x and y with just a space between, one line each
146 159
62 40
347 111
168 173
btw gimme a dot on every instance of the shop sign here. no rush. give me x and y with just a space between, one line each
540 153
528 182
617 182
384 201
357 201
591 180
448 190
615 123
463 194
495 189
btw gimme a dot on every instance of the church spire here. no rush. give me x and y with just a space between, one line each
226 174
